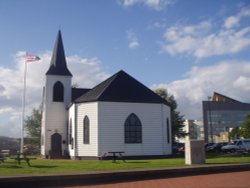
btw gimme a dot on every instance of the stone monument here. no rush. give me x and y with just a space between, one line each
194 152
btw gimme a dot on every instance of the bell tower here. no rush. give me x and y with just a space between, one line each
56 98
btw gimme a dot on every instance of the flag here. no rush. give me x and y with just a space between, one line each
30 58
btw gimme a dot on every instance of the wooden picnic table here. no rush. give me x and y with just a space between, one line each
22 157
2 160
116 154
2 157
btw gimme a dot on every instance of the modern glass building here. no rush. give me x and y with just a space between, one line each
195 130
220 114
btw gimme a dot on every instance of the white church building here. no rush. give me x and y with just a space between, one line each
119 114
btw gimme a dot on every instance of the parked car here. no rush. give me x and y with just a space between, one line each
237 145
207 145
216 147
178 147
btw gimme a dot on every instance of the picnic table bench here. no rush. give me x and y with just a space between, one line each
22 157
3 155
2 159
116 155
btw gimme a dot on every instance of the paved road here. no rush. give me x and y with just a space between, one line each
224 180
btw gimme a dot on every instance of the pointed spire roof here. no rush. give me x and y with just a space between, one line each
58 64
121 87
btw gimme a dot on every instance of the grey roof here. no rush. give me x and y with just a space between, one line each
77 92
58 64
121 87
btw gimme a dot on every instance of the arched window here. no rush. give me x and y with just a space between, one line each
86 130
58 92
71 140
133 129
168 132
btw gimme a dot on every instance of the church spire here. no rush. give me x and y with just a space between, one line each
58 64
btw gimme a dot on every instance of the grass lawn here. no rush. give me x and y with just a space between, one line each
224 159
40 166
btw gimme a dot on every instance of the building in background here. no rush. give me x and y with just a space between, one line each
195 130
220 114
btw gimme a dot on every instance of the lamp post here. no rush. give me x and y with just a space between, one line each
210 118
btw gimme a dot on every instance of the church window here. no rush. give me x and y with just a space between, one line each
70 134
86 130
67 133
168 131
133 129
58 92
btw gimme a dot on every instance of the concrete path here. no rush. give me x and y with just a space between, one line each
222 180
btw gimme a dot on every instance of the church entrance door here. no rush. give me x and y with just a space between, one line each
56 146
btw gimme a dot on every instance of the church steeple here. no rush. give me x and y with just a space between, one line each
58 64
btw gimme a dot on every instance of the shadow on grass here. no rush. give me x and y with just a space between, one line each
225 163
137 162
16 166
10 166
42 166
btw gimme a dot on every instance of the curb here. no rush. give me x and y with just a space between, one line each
116 176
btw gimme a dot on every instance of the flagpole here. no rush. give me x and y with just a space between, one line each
28 58
23 105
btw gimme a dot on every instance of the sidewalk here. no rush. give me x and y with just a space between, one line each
219 180
50 180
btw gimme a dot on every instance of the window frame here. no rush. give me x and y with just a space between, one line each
132 130
168 131
58 92
86 130
71 140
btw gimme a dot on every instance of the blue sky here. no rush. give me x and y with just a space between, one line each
192 48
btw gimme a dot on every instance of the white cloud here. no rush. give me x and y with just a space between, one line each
234 21
158 4
133 40
11 129
242 82
6 110
86 72
128 3
202 41
231 22
153 4
230 78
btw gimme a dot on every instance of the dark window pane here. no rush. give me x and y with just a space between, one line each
133 129
168 131
86 130
58 92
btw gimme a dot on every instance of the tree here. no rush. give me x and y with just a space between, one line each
32 125
235 133
177 120
245 127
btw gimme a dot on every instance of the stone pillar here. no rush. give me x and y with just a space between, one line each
194 152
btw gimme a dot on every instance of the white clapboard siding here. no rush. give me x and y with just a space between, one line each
55 114
90 110
50 82
71 117
111 118
56 122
